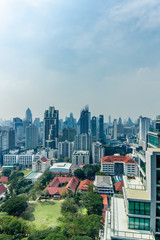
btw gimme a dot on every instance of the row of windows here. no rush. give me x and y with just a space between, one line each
139 223
142 208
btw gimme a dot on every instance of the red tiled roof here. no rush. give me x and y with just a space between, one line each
43 159
84 184
4 179
2 189
105 204
53 186
118 186
112 159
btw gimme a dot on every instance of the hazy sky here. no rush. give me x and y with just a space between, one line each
69 53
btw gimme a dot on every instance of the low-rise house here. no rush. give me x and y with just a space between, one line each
3 179
41 165
83 186
104 184
105 204
3 189
60 184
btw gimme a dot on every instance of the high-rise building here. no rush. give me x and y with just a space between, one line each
84 120
101 129
144 126
94 129
11 139
115 129
82 142
97 152
28 115
65 149
68 134
50 127
31 137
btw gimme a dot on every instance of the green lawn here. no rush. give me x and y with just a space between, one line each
43 214
26 171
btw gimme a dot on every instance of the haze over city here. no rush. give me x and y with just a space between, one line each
72 53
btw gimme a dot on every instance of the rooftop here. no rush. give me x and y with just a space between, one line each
4 179
115 158
3 189
103 181
119 223
135 189
61 165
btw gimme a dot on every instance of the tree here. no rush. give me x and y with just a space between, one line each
79 173
81 238
6 172
68 206
90 170
93 202
15 206
100 174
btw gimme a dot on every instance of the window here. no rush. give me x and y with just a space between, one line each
158 193
139 223
140 208
158 176
158 161
158 210
158 225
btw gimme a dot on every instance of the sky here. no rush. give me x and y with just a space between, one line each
68 54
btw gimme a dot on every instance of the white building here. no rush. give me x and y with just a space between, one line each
119 165
144 125
41 165
26 159
61 167
80 157
97 152
104 185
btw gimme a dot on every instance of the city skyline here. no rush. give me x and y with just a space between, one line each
71 53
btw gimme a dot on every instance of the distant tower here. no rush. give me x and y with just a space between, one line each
94 129
144 125
50 127
31 137
11 139
84 120
115 129
29 115
101 128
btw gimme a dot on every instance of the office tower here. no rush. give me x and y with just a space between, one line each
70 122
31 137
28 115
68 134
97 152
3 139
120 128
94 129
115 129
50 127
154 135
37 122
101 129
83 142
65 149
11 139
109 120
84 120
144 126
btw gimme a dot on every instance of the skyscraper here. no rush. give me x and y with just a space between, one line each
84 120
101 129
50 127
94 129
29 115
31 137
115 129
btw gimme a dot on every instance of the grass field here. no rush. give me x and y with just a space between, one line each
26 171
43 214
